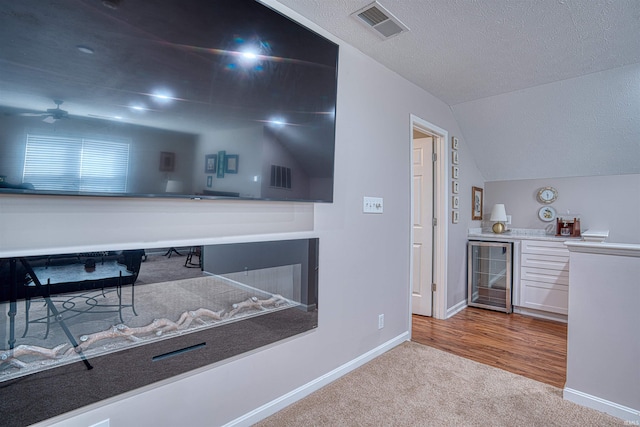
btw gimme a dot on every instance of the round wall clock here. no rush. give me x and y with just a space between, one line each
547 213
547 195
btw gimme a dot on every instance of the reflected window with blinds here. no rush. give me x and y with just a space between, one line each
69 164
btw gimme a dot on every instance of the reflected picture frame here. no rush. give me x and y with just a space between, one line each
231 163
167 161
210 162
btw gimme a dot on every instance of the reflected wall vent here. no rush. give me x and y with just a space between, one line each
380 21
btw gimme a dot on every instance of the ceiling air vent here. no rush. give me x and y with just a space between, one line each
380 20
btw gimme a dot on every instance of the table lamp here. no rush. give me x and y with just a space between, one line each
499 214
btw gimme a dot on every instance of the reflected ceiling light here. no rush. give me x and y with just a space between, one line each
278 122
85 49
137 108
249 55
162 96
111 4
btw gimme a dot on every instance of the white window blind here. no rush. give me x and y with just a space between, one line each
76 164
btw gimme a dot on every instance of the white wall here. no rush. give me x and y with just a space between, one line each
584 126
457 255
603 202
364 259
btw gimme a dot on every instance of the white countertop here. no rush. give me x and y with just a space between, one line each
518 234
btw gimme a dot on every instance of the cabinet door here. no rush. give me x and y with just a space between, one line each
544 296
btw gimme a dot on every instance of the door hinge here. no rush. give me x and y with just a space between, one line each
433 287
434 157
435 221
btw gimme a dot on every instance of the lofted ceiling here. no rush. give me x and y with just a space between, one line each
463 50
539 88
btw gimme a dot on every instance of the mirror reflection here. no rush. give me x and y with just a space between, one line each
66 308
164 98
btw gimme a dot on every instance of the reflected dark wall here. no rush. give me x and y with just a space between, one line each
173 76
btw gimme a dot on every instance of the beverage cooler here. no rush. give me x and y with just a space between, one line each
490 274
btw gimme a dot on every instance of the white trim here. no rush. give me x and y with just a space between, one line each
160 244
440 202
456 308
282 402
540 314
593 402
618 249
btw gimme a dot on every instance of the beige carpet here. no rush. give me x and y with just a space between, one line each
416 385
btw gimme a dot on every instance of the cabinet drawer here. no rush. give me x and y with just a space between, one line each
553 277
544 247
540 296
550 262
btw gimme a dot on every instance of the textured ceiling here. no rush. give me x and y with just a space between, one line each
463 50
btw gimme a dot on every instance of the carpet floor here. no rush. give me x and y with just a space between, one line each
417 385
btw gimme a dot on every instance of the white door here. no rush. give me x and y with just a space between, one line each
421 300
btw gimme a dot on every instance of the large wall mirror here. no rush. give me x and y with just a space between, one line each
164 98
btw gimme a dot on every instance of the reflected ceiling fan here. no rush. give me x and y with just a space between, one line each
52 115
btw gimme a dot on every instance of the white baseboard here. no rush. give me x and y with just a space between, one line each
283 401
611 408
547 315
456 308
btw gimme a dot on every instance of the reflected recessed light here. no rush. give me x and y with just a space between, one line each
111 4
162 96
85 49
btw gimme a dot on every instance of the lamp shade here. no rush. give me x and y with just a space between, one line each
498 213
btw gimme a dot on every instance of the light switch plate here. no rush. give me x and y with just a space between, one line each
372 205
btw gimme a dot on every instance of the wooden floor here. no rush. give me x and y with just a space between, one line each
527 346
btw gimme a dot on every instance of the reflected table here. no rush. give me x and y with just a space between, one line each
59 279
66 278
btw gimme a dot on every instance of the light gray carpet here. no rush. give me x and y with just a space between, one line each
416 385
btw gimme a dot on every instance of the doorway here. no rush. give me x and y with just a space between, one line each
428 219
422 248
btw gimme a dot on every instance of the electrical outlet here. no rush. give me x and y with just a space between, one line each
508 220
372 205
380 321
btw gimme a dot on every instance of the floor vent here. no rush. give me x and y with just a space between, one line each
380 21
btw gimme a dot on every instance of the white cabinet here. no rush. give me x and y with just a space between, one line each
544 276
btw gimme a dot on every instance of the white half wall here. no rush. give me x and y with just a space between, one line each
603 340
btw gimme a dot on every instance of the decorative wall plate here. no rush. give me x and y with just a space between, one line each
547 195
547 213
